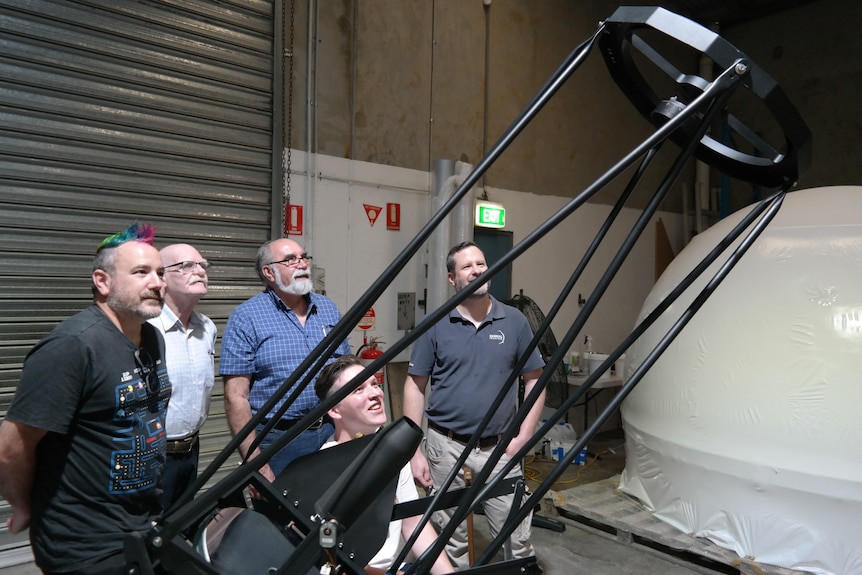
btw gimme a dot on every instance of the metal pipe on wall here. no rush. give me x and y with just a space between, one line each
461 218
279 176
310 122
486 4
432 163
442 177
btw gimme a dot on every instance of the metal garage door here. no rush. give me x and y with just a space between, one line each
113 111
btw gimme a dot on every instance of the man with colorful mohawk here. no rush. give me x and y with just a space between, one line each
83 443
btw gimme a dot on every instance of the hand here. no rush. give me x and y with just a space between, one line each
267 473
419 467
515 445
18 522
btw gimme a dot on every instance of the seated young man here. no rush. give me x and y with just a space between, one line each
362 413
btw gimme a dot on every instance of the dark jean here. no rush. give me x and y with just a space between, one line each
178 475
306 442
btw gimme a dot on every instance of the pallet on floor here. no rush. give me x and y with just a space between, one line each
603 506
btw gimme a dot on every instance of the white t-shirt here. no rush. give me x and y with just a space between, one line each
405 491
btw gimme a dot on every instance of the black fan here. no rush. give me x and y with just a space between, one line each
558 386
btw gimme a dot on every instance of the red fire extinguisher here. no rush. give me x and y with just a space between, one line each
368 352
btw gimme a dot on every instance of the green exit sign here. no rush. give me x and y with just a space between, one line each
489 215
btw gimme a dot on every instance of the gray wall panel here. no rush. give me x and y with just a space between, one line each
112 112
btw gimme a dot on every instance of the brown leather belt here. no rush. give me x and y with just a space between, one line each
181 446
484 442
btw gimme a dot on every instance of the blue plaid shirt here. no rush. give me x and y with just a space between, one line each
264 338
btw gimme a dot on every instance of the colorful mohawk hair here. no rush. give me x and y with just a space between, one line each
135 232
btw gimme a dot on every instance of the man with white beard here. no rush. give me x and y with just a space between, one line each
265 340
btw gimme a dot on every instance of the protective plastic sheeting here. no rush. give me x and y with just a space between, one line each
748 430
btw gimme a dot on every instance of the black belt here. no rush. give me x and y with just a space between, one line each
285 424
182 446
484 442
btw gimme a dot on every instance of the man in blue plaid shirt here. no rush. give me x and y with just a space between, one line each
265 340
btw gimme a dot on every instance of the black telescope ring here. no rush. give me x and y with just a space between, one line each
770 168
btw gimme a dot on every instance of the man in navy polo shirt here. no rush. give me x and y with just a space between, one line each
467 356
265 340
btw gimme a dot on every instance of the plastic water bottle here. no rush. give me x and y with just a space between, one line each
574 359
565 431
540 424
553 433
540 442
558 451
586 351
580 458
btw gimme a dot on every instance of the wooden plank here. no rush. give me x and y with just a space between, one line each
601 503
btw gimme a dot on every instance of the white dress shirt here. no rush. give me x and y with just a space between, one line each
190 357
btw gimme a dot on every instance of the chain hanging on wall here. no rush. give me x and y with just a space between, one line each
287 109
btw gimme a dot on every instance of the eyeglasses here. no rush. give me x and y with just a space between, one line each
188 267
292 261
147 369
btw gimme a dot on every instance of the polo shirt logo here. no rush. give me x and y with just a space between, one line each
499 337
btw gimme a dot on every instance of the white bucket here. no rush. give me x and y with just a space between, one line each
595 361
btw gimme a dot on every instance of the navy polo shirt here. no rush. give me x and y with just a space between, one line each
468 365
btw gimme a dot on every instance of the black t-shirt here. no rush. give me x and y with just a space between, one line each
98 468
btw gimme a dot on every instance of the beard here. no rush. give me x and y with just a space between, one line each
141 306
297 286
480 292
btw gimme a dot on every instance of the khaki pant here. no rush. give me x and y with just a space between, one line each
442 454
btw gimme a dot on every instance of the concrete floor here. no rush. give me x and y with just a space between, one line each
581 548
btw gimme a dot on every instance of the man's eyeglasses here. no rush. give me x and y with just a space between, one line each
293 261
188 267
147 369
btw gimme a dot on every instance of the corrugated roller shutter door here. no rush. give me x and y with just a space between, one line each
120 111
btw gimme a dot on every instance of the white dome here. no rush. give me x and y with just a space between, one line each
748 430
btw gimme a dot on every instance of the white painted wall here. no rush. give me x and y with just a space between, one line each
352 252
544 269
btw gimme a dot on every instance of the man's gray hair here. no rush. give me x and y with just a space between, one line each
264 256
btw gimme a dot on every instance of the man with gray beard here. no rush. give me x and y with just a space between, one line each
265 340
